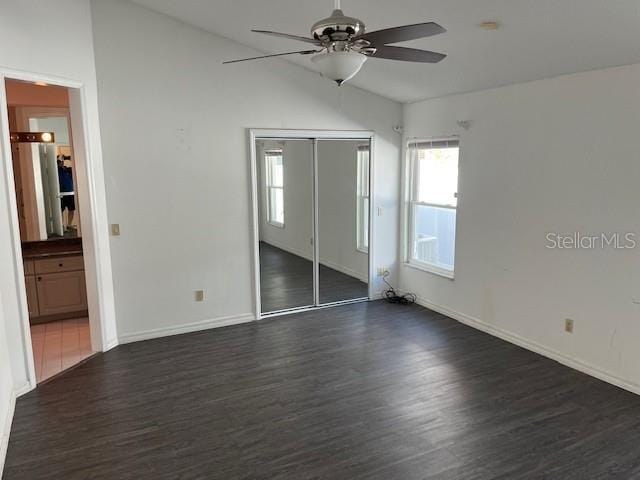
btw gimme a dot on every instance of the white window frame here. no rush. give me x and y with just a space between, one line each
268 155
412 176
362 200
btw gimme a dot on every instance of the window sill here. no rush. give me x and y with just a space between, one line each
275 224
363 250
433 270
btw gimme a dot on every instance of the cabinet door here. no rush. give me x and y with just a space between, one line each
61 293
29 268
32 295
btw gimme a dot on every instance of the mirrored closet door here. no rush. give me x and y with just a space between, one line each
313 221
285 181
343 219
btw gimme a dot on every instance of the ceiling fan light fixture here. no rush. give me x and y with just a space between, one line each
339 66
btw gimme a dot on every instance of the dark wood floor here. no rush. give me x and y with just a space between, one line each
371 390
286 281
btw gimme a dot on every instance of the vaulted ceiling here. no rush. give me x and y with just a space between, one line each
536 39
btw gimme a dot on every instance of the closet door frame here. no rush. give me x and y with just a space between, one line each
313 135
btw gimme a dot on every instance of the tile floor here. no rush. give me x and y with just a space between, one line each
59 345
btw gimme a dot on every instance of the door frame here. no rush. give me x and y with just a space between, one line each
313 135
93 217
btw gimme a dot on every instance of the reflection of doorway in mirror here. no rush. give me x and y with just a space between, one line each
70 220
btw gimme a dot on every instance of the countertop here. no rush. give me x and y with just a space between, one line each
52 249
59 254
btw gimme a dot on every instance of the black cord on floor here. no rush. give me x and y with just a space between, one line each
392 296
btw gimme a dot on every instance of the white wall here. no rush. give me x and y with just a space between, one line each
31 27
58 125
557 155
7 396
174 126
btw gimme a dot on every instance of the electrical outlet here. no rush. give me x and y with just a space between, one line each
199 295
568 325
381 271
115 229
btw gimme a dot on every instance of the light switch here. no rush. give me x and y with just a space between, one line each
199 295
380 211
115 229
568 325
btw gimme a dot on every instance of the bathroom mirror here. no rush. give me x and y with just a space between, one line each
45 176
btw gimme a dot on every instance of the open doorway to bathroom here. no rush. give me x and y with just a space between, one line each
48 212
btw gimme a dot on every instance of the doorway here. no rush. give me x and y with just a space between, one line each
59 326
312 219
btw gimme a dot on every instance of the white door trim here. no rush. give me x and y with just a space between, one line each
256 133
93 217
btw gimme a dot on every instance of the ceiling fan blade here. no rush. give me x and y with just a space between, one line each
286 35
408 54
303 52
402 34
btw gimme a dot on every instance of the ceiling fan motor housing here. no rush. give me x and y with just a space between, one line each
337 28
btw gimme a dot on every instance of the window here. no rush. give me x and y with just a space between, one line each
275 187
433 199
362 193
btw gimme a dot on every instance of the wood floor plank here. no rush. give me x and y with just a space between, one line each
364 391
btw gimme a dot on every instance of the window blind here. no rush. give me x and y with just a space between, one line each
431 144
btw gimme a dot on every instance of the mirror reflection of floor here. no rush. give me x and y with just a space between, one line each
69 232
286 281
59 345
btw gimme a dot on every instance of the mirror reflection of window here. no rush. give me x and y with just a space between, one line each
362 192
275 187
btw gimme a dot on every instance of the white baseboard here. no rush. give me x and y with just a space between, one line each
345 270
289 249
187 328
6 430
24 388
533 346
112 344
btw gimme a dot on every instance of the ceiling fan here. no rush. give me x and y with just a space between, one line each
342 45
